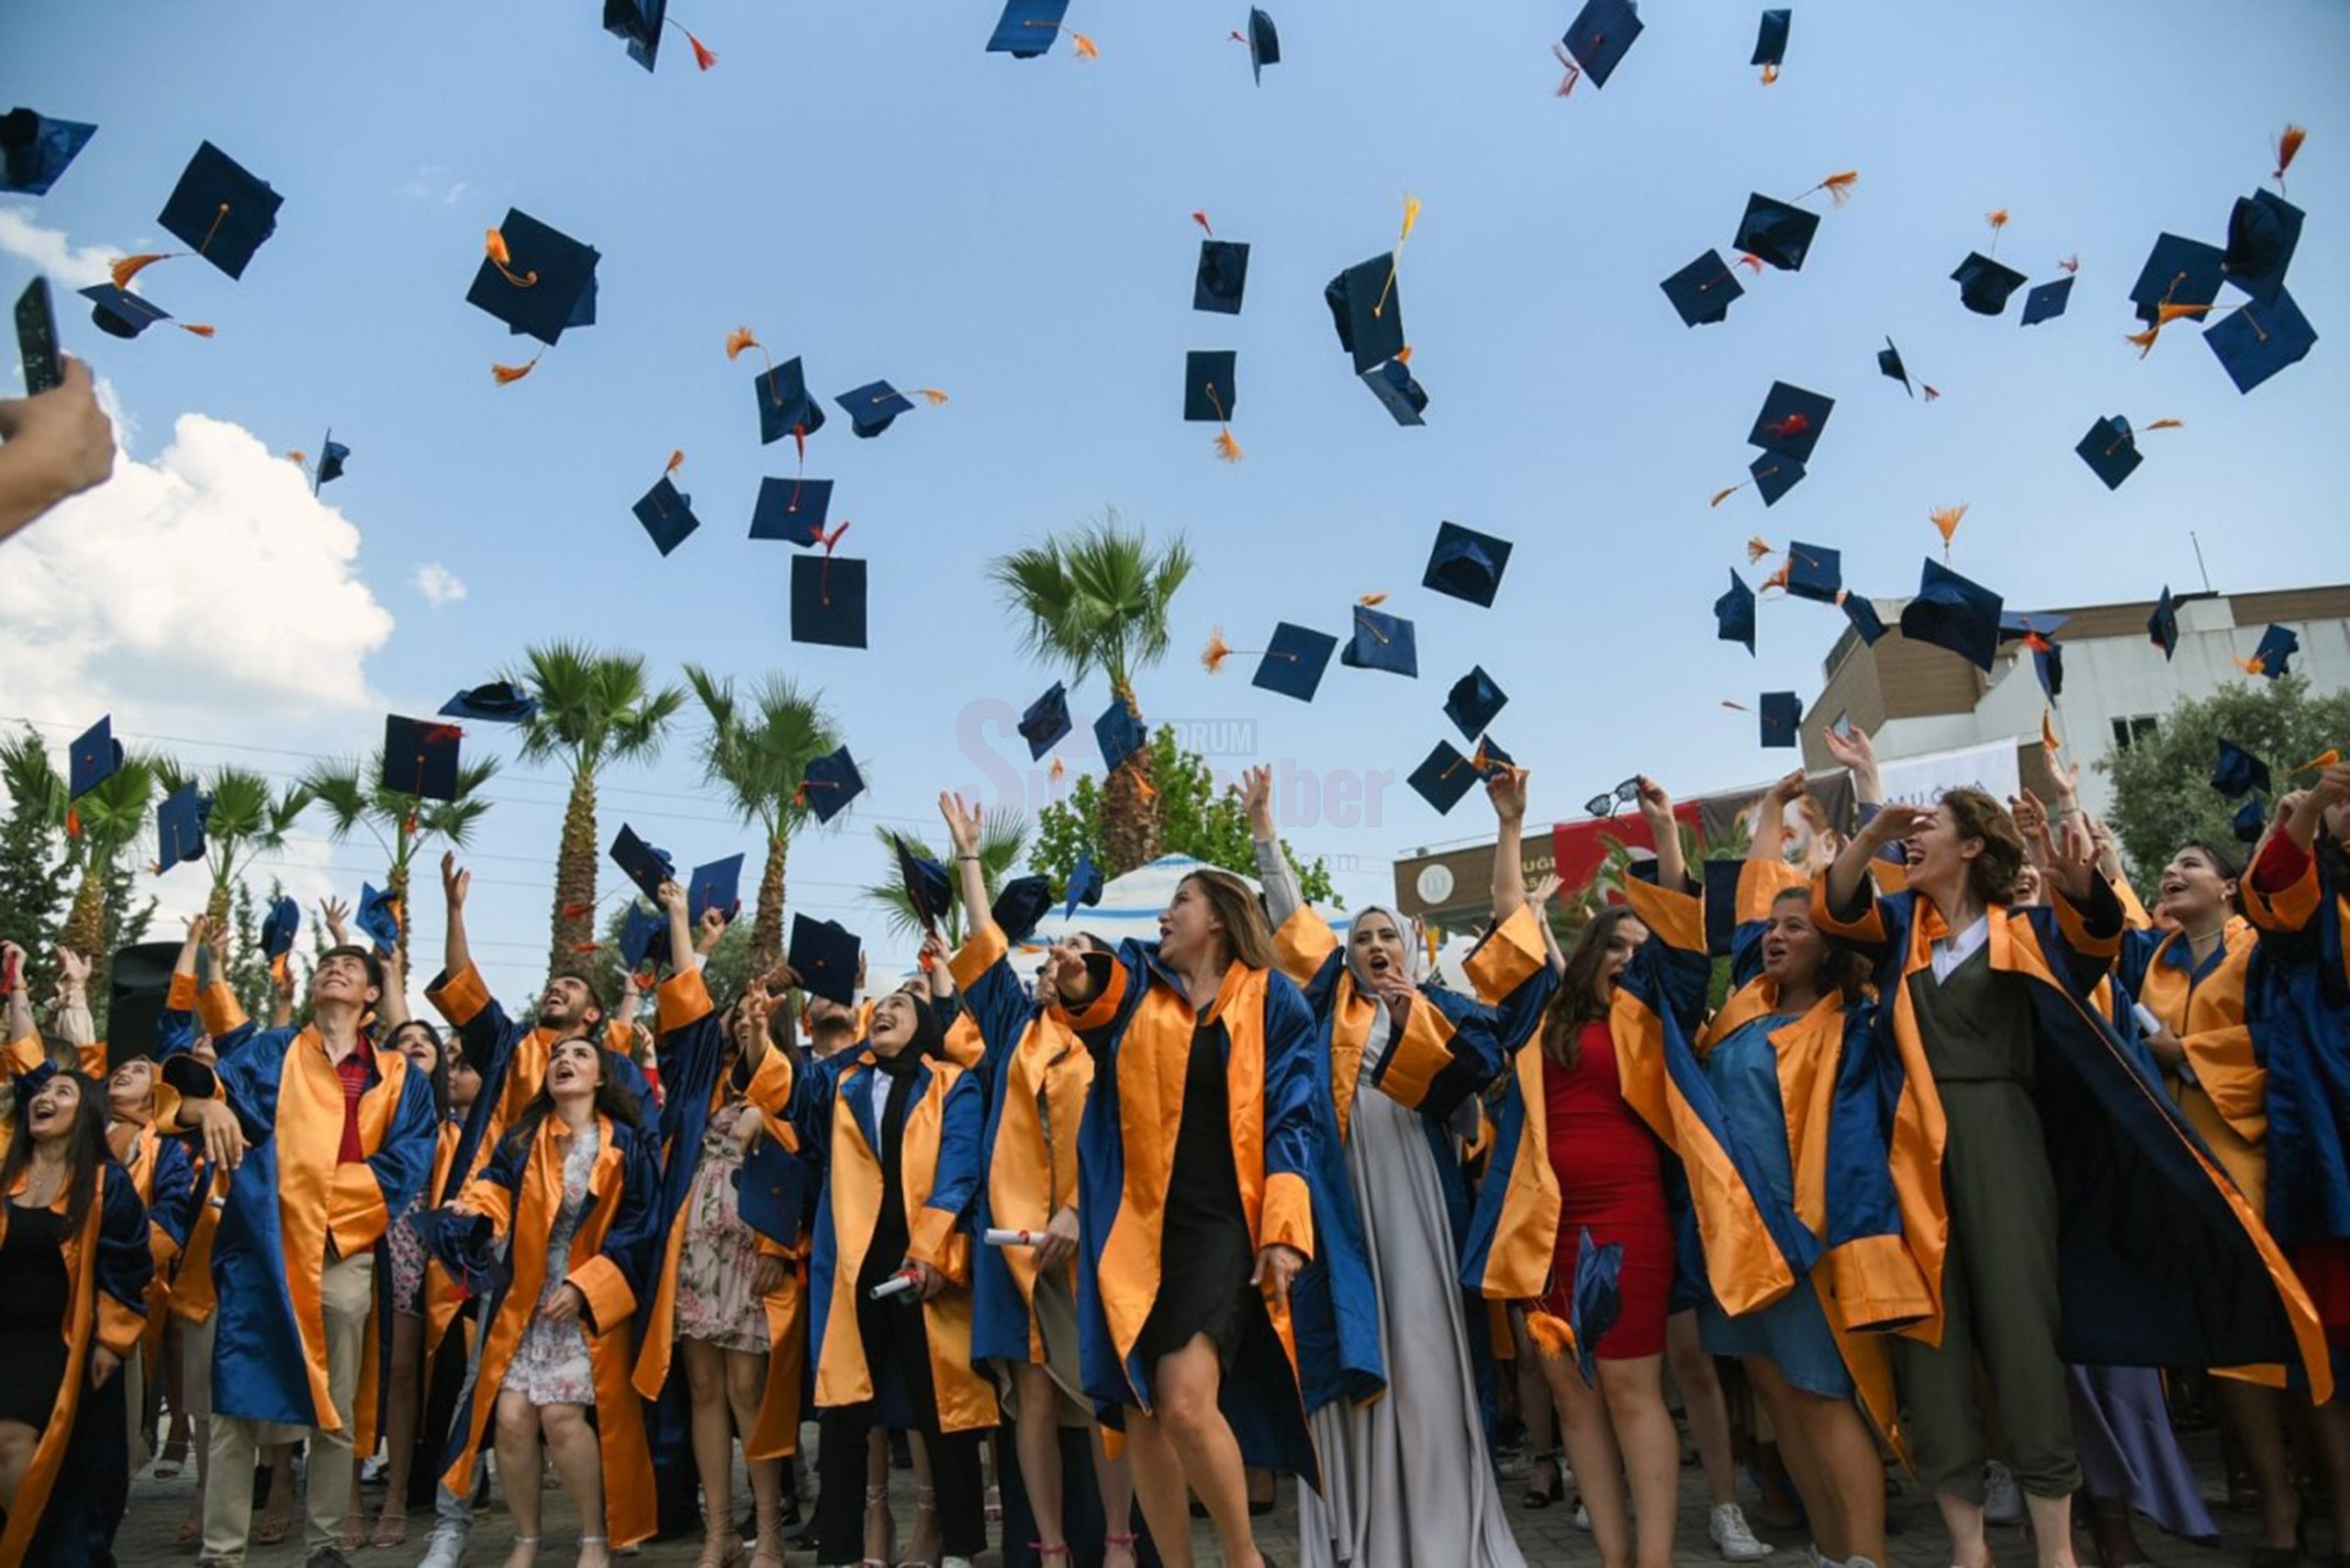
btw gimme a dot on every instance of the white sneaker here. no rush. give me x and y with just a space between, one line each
1731 1537
447 1547
2002 1503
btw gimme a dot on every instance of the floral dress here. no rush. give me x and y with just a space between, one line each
719 1254
550 1364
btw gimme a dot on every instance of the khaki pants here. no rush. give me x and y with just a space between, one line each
349 1293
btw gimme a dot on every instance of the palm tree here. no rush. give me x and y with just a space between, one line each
245 820
1098 599
354 796
1001 839
759 752
594 708
100 827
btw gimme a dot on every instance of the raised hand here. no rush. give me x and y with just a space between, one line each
1790 786
2031 821
1072 982
2071 864
965 822
454 883
1851 746
1506 790
1544 891
670 896
1256 791
706 932
335 913
72 970
1656 808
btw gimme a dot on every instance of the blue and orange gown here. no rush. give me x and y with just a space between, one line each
513 1206
2202 1003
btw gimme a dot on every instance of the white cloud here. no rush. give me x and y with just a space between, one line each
48 250
431 183
438 584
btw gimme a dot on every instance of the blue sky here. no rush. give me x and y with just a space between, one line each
865 186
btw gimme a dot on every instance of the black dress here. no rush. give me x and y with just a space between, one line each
1204 1256
33 1298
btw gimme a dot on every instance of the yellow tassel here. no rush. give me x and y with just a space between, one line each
1411 216
1225 447
1550 1335
738 339
507 375
1086 47
129 268
1216 652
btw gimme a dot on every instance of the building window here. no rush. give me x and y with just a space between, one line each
1844 724
2138 727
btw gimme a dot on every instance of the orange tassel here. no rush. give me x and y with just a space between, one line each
73 821
2288 142
1371 601
1770 74
2167 425
931 395
495 246
1200 218
1778 579
1058 770
1996 218
1757 547
1086 47
1750 261
1946 520
1735 707
1793 425
2330 757
2048 732
1227 448
677 461
195 328
1550 1335
1839 186
507 375
703 57
299 459
1145 788
738 339
1721 495
2252 665
129 268
1216 652
1404 355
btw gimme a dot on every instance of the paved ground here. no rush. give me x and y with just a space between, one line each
1547 1537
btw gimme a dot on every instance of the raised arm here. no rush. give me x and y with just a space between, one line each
1848 878
1656 811
1283 894
1769 841
1853 748
456 952
1506 790
72 1016
21 1027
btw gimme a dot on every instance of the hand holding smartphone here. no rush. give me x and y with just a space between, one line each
37 339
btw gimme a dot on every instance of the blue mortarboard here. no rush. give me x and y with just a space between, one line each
1119 734
1720 879
1223 277
538 289
179 826
1734 614
1369 329
2047 300
2020 623
1601 33
2178 271
1211 390
1984 284
1084 885
1046 720
1780 718
1771 42
95 755
378 917
1815 572
1294 661
1491 761
2256 341
2274 657
2237 770
1952 613
119 313
639 23
1888 362
1027 28
2251 820
1790 422
2263 230
278 926
332 455
499 702
2111 449
645 935
2048 664
1019 905
1775 475
1473 701
463 1243
1381 642
1444 778
221 211
830 783
828 601
1598 1298
1863 614
421 758
2162 626
823 954
1778 232
667 514
770 1189
1264 43
873 408
583 310
784 403
1466 564
1398 391
1702 291
35 150
792 509
718 886
643 864
928 893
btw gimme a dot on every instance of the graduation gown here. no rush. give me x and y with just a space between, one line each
2203 1005
2293 1094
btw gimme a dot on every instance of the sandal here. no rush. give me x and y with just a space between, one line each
354 1531
270 1529
190 1535
723 1549
391 1529
1543 1482
926 1502
878 1497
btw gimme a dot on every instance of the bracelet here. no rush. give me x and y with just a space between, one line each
971 857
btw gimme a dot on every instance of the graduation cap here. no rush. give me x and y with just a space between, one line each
35 150
2236 770
829 784
874 406
1597 39
1781 715
583 310
1084 885
828 601
718 886
1952 613
1210 387
532 276
332 455
823 954
1223 277
792 509
1046 722
2251 820
1381 642
784 406
1398 391
1264 44
1702 291
1368 311
1027 28
2273 658
1443 779
928 893
421 758
1984 285
179 826
1119 734
769 1187
1598 1298
499 702
1888 362
1473 701
667 513
641 22
1023 902
645 935
1294 661
2256 341
2048 664
1466 564
643 864
119 313
2162 626
1790 422
2263 230
1814 572
277 929
378 917
2111 449
2047 300
95 755
1734 614
2178 271
220 210
1863 614
1775 231
1771 43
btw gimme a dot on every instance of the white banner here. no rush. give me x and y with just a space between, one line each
1921 780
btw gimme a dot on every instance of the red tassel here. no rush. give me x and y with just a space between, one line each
1200 218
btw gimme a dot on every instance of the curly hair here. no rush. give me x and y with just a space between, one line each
1991 874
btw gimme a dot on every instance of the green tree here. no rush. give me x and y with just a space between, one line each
34 879
102 828
1199 820
245 819
759 752
594 709
354 796
1097 598
2162 789
1001 838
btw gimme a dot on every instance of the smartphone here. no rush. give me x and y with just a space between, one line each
37 339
